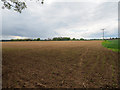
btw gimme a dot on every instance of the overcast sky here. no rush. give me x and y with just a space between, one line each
62 19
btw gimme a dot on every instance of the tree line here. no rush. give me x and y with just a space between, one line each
57 39
53 39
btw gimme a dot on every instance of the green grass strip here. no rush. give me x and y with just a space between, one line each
112 44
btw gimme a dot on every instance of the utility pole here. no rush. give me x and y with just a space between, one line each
103 33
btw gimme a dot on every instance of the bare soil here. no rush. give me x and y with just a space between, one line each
58 64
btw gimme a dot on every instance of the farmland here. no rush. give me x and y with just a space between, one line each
58 64
112 44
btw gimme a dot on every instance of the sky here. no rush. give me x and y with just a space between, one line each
74 19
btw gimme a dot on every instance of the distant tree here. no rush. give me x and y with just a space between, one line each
55 39
35 39
28 39
81 39
65 38
61 38
49 39
13 40
38 39
22 39
73 39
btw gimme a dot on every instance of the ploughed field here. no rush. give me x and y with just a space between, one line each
56 64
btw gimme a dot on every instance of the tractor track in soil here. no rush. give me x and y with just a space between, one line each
58 64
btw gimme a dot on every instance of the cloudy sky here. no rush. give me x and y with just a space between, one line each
62 19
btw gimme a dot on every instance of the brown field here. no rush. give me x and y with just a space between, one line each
58 64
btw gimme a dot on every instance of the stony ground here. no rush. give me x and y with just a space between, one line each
58 64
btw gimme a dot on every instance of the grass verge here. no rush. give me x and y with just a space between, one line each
112 44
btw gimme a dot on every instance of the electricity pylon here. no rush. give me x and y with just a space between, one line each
103 33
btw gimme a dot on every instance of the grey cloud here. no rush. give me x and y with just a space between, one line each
56 19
